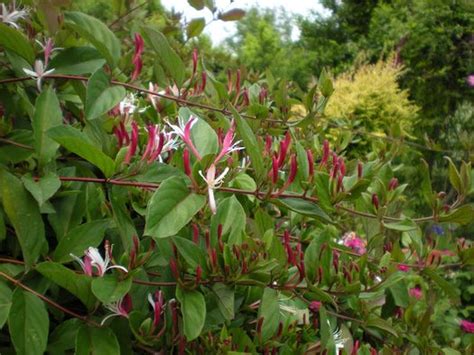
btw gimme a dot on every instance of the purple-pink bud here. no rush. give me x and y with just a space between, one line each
466 326
375 201
133 144
309 156
315 306
186 162
359 170
392 185
284 145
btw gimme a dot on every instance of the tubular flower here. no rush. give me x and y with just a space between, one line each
351 240
120 308
11 17
93 259
213 182
183 130
133 143
137 56
227 145
158 144
39 73
157 303
467 326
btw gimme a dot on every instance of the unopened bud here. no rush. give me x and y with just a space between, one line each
359 170
195 233
198 274
392 185
325 157
375 201
274 169
309 156
315 306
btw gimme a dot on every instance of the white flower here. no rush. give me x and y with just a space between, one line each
11 17
119 308
213 182
39 72
92 258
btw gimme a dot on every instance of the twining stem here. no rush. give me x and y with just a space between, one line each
49 301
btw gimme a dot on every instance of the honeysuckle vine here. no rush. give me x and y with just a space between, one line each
239 224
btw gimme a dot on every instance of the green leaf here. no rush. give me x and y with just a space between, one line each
327 336
43 189
193 255
28 323
96 341
399 292
101 97
170 208
80 238
225 299
231 215
203 136
166 55
195 27
64 336
232 15
47 115
77 61
379 323
96 32
77 284
250 143
270 311
108 289
78 143
15 41
454 176
444 285
193 311
197 4
304 207
23 213
118 199
402 226
5 303
461 215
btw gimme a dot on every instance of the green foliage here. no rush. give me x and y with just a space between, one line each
370 98
214 219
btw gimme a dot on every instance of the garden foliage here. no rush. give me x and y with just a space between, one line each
189 215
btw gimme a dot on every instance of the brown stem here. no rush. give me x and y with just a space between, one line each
16 144
49 301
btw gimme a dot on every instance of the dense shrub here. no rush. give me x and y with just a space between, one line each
195 216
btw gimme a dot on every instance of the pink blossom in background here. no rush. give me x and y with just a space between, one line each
353 241
467 326
404 268
470 80
416 292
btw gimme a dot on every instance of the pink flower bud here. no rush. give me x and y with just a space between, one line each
195 233
237 83
293 170
274 170
284 145
186 162
137 56
392 185
133 144
325 157
245 97
195 60
151 141
359 170
315 306
203 82
174 269
342 166
375 201
198 274
309 156
403 267
268 144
